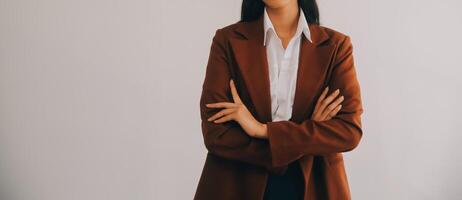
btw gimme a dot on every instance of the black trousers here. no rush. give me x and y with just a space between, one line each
288 186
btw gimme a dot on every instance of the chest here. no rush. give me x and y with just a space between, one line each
282 69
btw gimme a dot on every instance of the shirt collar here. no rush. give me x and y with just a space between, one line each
302 26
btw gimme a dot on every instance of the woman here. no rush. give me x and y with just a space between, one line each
271 124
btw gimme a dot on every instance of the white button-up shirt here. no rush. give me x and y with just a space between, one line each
283 66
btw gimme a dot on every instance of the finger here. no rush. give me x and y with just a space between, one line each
323 95
334 112
328 100
236 97
224 119
221 113
221 105
332 106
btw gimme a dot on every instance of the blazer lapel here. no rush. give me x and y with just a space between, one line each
250 56
314 61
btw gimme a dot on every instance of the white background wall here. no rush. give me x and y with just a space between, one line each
99 99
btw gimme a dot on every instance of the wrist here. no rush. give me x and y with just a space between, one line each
262 131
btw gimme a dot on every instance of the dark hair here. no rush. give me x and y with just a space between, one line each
253 9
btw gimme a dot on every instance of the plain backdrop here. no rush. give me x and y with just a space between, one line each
99 99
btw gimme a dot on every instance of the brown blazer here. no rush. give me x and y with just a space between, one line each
237 165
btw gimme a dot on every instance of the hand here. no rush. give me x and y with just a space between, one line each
326 108
238 111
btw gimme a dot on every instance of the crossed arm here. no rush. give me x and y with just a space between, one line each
233 132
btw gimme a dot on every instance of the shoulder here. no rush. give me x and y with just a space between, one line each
341 41
336 37
231 30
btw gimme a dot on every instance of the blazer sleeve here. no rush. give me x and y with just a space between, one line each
290 140
227 140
